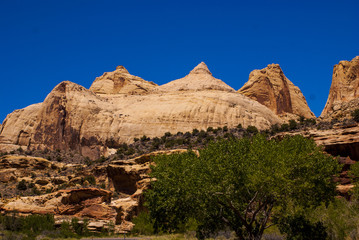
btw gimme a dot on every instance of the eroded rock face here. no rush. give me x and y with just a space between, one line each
74 118
121 81
344 88
270 87
84 202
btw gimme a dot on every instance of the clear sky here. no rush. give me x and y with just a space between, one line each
45 42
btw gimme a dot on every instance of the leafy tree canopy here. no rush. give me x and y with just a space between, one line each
243 185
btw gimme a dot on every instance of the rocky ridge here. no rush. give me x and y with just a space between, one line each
75 118
272 88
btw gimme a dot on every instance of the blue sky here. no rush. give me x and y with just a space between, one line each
45 42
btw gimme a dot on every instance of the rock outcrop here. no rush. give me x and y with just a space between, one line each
84 202
344 91
121 81
270 87
199 79
75 118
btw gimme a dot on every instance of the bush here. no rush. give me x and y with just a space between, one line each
252 129
80 228
299 228
284 127
293 124
143 224
91 179
239 126
22 185
355 115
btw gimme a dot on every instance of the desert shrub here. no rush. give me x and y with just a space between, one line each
144 138
80 228
252 129
293 124
195 132
284 127
22 185
210 129
355 115
275 128
91 179
225 129
239 126
168 134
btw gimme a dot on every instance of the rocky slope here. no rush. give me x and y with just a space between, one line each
270 87
75 118
344 91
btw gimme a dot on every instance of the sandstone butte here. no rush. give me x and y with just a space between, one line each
272 88
344 91
119 107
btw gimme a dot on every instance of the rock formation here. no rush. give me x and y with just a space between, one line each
270 87
344 91
75 118
121 81
199 79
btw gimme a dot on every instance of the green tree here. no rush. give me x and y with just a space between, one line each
240 184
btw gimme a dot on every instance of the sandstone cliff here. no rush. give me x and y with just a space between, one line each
121 81
344 88
75 118
270 87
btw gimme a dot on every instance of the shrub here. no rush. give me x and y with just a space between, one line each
210 129
355 115
252 129
22 185
225 129
91 179
195 132
239 126
297 227
143 224
293 124
284 127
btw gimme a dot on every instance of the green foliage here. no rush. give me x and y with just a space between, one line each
239 126
143 224
355 115
91 179
293 124
252 129
31 225
195 131
299 228
340 218
22 185
239 184
210 129
284 127
80 228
